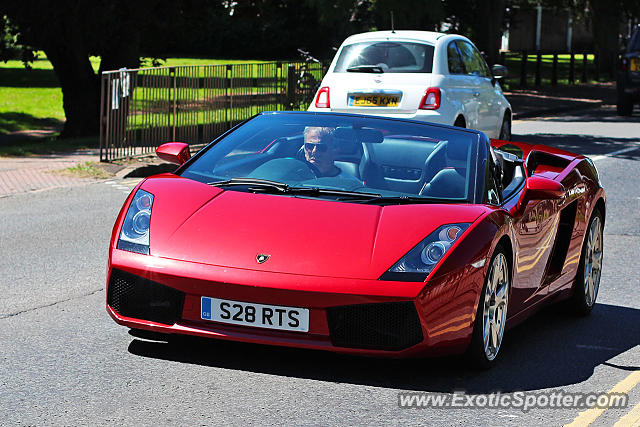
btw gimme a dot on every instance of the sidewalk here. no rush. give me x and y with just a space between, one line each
551 100
23 174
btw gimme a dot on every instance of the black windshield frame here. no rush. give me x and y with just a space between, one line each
478 150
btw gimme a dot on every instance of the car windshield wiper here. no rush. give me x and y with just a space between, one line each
400 200
256 182
257 185
365 69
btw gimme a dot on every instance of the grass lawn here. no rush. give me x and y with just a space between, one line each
32 99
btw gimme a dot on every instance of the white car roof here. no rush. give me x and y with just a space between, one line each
423 36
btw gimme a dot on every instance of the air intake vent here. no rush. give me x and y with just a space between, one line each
384 326
563 238
134 296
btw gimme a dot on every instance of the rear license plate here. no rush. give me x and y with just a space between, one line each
256 315
374 100
635 64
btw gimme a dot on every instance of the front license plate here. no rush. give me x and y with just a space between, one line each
374 100
635 64
256 315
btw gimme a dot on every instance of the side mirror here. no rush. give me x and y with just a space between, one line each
499 71
174 152
537 188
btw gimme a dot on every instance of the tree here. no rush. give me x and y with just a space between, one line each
607 16
482 21
424 15
69 32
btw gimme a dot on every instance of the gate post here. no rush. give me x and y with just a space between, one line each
291 86
523 69
172 72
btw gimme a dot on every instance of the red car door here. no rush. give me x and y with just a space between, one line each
535 232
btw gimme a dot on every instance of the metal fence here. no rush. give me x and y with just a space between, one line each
143 108
532 69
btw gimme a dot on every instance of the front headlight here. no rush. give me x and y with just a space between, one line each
134 236
420 261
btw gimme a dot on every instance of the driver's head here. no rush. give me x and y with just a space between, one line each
319 148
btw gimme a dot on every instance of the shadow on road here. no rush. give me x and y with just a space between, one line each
553 349
584 144
605 115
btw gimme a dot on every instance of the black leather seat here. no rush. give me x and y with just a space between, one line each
445 170
370 171
446 154
348 167
448 183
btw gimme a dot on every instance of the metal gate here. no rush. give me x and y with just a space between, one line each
143 108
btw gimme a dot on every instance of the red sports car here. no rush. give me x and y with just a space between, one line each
357 234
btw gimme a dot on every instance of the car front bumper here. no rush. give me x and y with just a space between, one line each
408 318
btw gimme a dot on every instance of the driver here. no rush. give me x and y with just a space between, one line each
320 150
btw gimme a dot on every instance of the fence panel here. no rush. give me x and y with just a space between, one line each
530 69
143 108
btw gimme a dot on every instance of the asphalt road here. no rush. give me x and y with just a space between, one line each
64 361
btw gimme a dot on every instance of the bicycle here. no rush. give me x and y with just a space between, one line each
306 83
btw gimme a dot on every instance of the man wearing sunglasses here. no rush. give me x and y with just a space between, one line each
320 151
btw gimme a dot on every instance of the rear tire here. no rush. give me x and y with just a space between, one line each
505 130
587 282
491 314
460 122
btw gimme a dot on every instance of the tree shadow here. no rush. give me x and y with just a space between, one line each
550 350
21 77
584 144
593 115
15 122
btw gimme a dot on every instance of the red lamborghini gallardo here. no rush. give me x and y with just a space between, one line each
357 234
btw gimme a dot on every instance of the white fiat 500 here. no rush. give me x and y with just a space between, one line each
420 75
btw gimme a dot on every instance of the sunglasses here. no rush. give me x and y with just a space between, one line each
321 148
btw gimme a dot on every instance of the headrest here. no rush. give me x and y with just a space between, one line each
458 149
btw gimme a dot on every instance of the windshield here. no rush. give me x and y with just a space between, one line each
389 57
351 157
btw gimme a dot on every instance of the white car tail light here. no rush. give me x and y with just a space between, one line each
431 99
322 98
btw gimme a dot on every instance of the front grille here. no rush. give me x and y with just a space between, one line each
383 326
134 296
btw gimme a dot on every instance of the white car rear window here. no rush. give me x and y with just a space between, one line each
390 57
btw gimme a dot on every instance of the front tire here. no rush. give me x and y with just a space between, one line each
491 314
587 283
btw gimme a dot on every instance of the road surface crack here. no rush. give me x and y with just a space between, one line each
17 313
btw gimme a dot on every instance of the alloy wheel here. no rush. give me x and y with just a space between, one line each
593 261
496 300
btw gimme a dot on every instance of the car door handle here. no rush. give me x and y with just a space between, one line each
476 94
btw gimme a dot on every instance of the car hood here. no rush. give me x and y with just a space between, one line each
198 223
